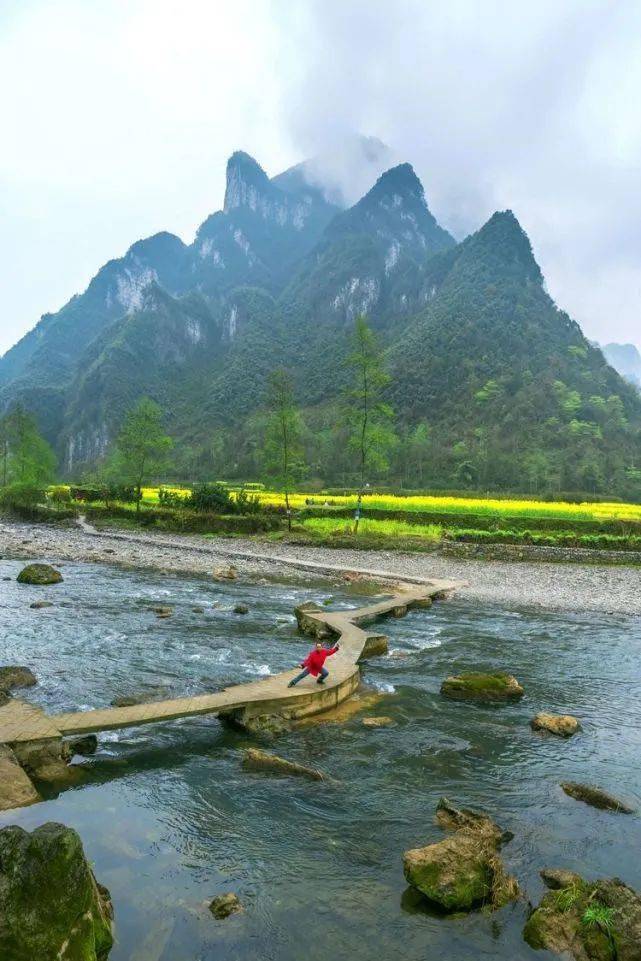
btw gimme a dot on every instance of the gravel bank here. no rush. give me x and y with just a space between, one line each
567 587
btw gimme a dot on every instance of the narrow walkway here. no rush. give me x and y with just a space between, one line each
21 722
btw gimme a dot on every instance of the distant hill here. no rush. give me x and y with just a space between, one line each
512 393
626 359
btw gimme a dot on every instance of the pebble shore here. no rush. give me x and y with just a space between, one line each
561 587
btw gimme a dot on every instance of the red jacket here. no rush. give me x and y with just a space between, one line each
315 659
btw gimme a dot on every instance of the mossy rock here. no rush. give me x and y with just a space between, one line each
51 906
586 920
14 675
464 871
595 797
39 574
492 688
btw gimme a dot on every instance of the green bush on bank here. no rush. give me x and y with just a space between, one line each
188 521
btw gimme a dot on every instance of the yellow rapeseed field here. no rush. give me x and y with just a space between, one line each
464 505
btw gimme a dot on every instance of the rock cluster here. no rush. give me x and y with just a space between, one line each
13 676
464 871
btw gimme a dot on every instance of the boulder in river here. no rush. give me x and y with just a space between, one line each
491 688
309 625
563 725
224 905
163 611
464 871
16 789
51 906
596 797
241 609
375 645
39 574
39 605
256 760
47 761
586 920
13 676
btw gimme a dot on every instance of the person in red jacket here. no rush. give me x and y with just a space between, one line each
314 664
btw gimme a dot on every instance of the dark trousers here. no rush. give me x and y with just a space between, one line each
323 674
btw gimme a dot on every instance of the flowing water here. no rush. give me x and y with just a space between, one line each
170 819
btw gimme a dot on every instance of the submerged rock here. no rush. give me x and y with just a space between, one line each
163 610
563 725
224 905
39 574
241 609
51 907
85 745
13 676
16 789
39 605
382 721
596 797
497 687
464 871
586 920
257 760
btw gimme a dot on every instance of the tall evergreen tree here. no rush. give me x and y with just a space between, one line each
368 417
283 450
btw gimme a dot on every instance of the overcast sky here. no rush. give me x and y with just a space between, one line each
117 118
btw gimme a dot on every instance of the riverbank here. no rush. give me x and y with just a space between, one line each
564 587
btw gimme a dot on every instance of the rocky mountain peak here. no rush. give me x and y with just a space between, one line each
247 182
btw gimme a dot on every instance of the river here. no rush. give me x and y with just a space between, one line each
170 819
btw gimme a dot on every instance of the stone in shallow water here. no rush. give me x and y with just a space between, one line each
491 688
257 760
241 609
224 905
464 871
39 574
13 676
586 920
39 605
51 906
563 725
382 721
596 797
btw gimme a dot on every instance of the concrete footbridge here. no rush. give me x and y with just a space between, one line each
23 724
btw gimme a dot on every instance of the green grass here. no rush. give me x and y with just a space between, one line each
329 527
598 916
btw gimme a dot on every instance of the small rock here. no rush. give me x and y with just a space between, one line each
226 573
198 610
224 905
108 550
85 745
15 676
257 760
7 578
38 605
558 878
563 725
596 797
39 574
127 700
162 611
382 721
241 609
492 688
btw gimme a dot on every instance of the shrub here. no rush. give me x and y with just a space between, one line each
211 498
171 498
246 503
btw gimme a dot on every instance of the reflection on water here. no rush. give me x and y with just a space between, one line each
170 819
